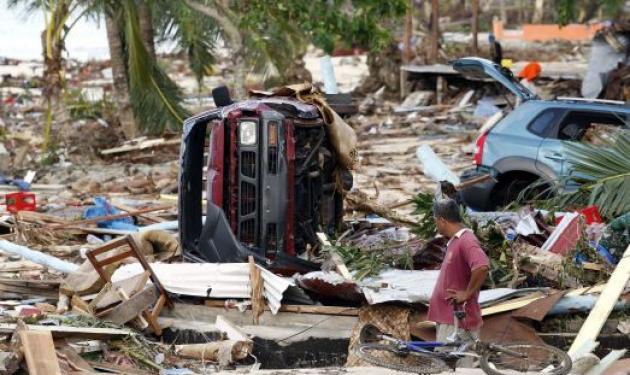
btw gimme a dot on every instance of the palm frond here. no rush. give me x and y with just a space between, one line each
155 97
603 172
194 34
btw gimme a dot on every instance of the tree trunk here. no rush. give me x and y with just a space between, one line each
384 70
475 26
53 46
503 12
435 31
146 27
407 55
539 8
121 83
233 34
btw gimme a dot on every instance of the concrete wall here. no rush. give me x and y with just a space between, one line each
541 33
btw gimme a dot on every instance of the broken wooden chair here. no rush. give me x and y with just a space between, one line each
132 291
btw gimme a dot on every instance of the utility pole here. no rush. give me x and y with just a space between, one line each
407 55
475 26
435 31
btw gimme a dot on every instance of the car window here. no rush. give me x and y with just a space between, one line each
545 121
590 126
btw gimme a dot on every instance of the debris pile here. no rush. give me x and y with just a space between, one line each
94 278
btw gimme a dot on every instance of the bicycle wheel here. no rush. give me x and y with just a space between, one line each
389 356
513 359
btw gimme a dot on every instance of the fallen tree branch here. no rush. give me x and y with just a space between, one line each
359 201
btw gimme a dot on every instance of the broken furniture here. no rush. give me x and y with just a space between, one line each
141 298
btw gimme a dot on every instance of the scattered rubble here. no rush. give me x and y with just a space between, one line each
95 278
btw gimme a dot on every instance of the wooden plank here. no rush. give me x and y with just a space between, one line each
71 356
513 304
232 331
586 290
95 220
12 362
134 306
149 143
301 309
74 332
20 265
130 286
605 303
26 291
116 369
256 281
40 217
149 217
336 258
510 305
39 352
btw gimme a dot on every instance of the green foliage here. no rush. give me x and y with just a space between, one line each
194 33
423 203
370 263
494 243
276 32
81 108
155 98
603 172
568 10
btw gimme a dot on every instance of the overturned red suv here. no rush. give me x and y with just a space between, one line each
271 176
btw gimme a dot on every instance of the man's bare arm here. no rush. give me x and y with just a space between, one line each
477 278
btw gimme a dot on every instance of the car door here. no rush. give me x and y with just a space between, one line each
573 127
550 157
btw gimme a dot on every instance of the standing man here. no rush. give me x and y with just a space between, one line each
496 51
462 274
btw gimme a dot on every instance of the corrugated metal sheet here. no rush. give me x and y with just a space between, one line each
214 280
417 286
400 285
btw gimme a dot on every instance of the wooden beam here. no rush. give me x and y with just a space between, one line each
39 352
152 218
74 332
116 369
95 220
512 304
257 284
132 307
67 353
302 309
605 303
149 143
509 305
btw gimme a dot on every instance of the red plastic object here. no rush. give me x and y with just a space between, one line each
20 201
591 215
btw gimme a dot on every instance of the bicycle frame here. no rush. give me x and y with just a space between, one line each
425 347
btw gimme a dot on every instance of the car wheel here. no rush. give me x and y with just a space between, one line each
507 191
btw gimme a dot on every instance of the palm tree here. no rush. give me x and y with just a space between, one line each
229 25
121 91
56 16
145 16
146 98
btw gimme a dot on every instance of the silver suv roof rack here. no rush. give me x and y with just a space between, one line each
587 100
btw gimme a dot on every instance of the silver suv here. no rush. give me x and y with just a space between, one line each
528 143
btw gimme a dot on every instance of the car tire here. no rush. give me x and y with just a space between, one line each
507 191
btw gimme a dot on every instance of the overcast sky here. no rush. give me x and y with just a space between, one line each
20 36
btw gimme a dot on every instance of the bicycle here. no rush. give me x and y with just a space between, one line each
420 357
